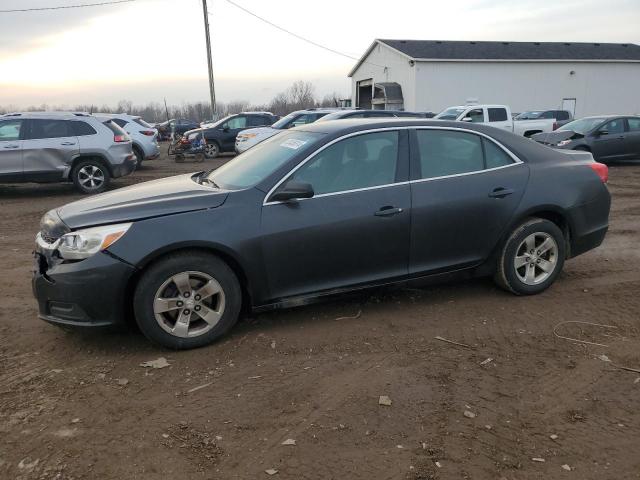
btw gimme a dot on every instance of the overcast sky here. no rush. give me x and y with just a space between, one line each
149 49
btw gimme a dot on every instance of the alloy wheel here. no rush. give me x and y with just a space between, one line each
536 258
189 304
91 177
211 150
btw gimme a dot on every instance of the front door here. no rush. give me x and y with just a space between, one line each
354 231
609 142
49 149
11 150
465 191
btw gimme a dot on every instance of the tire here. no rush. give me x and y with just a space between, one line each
211 150
178 278
536 272
139 157
90 176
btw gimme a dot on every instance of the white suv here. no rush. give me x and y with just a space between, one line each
248 138
143 135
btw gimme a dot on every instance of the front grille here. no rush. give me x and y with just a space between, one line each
48 238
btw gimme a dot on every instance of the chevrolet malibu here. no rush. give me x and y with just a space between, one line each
318 210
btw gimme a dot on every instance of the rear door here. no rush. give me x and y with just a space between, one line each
11 134
499 117
230 130
464 190
49 149
632 141
609 141
354 230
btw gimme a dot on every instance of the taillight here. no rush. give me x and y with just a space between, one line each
184 140
148 133
602 170
555 125
120 138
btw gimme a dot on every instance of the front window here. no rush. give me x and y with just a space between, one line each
362 161
450 113
582 126
10 130
257 163
41 128
236 122
613 127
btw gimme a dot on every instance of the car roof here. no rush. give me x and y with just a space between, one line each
46 114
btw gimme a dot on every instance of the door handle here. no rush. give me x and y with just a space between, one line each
67 143
501 192
388 211
12 146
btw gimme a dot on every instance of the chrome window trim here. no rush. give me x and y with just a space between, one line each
516 161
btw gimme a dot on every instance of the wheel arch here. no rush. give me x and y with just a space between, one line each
190 247
136 146
91 156
552 213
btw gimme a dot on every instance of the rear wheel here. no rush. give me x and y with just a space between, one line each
531 258
90 176
139 157
211 150
187 300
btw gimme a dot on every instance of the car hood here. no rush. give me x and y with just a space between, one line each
552 138
261 131
157 198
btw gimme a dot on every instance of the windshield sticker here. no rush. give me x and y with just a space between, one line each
292 143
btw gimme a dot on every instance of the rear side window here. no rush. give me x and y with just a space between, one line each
10 130
141 122
444 153
497 114
357 162
257 121
41 128
494 155
634 124
80 129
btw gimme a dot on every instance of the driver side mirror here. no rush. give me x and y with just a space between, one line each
602 132
467 119
292 190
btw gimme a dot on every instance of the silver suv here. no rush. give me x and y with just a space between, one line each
45 147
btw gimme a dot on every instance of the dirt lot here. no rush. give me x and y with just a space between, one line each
79 405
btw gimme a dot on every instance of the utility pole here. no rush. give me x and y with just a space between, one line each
212 90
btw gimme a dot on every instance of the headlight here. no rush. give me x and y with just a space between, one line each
84 243
562 143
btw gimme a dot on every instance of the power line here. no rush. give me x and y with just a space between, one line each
64 7
299 37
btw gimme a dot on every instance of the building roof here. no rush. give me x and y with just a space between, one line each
445 50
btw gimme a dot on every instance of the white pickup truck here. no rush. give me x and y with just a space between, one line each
498 116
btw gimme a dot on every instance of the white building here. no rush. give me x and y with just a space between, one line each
421 75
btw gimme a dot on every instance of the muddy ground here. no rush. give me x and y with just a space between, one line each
79 405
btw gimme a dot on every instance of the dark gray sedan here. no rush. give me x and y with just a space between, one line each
314 211
608 138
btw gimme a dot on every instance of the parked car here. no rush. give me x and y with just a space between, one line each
498 116
144 137
561 117
46 147
221 136
608 138
321 209
252 136
175 126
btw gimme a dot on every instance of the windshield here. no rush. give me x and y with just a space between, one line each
529 115
257 163
582 126
284 122
450 113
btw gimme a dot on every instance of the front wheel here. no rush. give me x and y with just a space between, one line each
187 300
531 258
